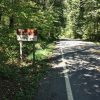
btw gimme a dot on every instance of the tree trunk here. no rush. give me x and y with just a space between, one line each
81 9
11 24
0 16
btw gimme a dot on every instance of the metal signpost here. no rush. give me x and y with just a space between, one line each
27 35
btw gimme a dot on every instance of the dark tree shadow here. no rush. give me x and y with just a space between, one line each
52 86
20 83
85 84
83 62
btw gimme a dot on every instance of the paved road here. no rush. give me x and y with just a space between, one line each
75 72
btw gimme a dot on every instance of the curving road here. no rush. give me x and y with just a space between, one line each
75 72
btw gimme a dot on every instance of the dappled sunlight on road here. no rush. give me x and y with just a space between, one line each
86 84
64 44
75 72
82 61
77 55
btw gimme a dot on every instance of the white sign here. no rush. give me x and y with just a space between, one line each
26 38
27 35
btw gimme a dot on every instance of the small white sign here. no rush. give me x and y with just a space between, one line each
26 38
27 35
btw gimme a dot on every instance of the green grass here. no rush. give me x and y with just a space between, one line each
41 54
97 43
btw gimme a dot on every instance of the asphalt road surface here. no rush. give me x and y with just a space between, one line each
75 72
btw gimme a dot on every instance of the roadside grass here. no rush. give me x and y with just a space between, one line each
42 53
97 43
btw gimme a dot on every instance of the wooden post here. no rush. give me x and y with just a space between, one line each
34 53
21 53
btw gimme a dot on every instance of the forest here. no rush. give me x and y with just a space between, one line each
53 19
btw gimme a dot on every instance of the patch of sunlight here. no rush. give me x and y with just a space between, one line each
64 44
64 60
98 68
40 54
50 46
84 62
61 64
38 46
98 58
65 71
94 51
91 68
70 61
87 75
1 49
96 86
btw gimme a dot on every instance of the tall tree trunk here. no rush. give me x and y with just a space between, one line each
0 16
81 9
1 12
11 24
97 26
94 26
97 18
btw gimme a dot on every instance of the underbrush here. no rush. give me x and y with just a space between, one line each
19 81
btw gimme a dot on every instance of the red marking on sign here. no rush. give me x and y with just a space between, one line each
27 32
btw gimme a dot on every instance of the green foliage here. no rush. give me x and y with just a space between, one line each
31 14
42 52
44 16
24 14
20 83
91 16
52 18
82 19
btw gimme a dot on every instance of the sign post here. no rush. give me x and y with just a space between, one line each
33 53
21 45
27 35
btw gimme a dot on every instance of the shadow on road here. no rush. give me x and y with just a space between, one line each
83 62
52 87
85 84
